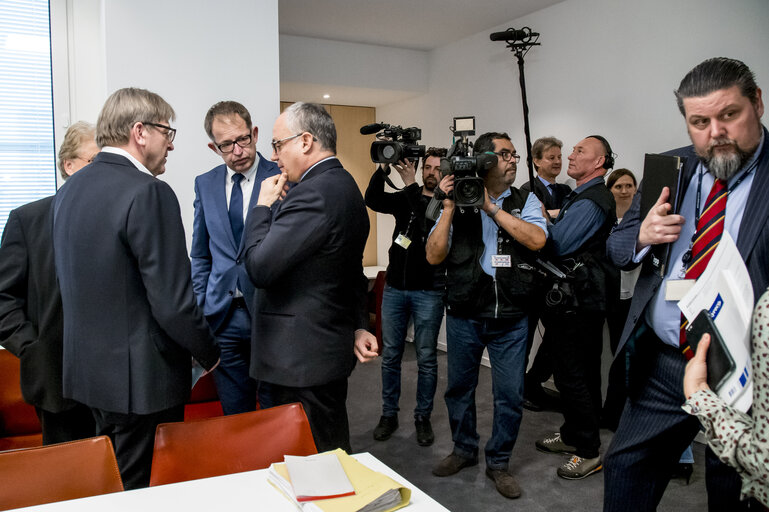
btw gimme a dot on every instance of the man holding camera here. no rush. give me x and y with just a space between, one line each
577 306
489 278
414 289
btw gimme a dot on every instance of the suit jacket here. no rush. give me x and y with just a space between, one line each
30 304
306 264
217 264
551 202
752 240
131 321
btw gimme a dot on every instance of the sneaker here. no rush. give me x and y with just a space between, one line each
506 484
452 465
554 445
385 428
425 435
577 468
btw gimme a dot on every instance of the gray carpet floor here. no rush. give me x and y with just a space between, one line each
470 489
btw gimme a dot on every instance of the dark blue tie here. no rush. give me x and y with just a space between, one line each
236 208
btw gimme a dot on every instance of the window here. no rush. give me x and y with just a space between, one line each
27 162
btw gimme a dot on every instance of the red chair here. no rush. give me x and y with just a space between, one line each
229 444
204 401
19 426
375 307
58 472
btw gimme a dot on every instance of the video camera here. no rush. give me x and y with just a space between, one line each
394 143
468 171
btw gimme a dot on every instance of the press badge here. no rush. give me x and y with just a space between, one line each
675 289
500 260
403 241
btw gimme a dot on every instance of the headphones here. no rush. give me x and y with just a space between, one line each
608 161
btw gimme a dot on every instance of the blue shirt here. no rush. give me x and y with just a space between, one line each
663 315
532 213
580 222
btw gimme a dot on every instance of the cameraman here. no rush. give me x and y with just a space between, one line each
574 331
489 278
414 288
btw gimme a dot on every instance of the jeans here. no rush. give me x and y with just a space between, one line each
505 340
426 307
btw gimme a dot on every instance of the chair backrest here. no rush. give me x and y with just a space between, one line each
19 426
57 472
229 444
204 400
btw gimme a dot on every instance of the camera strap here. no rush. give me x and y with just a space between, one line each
386 171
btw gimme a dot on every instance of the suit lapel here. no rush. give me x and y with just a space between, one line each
757 209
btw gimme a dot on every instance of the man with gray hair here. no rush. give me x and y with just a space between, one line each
131 322
722 188
304 253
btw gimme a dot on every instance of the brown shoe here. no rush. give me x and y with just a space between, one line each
452 465
506 484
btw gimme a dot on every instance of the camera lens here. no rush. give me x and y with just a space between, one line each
388 152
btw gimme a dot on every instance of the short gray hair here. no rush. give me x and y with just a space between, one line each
314 119
73 139
126 107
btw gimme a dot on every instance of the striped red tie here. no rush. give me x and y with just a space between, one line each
708 234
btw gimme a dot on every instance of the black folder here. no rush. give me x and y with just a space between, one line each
660 171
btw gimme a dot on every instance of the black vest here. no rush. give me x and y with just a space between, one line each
595 281
471 292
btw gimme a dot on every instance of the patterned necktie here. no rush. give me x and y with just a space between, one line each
710 227
236 208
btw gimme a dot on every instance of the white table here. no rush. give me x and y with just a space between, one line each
247 491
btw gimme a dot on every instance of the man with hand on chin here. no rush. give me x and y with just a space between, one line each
304 254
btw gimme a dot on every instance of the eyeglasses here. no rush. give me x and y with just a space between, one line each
170 133
229 145
277 144
507 156
86 160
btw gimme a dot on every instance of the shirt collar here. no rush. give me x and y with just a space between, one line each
314 165
129 156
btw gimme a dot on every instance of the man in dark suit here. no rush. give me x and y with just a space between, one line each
547 158
722 107
305 260
30 302
223 197
131 323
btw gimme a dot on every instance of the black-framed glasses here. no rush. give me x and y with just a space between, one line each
228 146
277 144
507 156
170 133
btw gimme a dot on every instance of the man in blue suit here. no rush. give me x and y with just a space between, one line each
223 197
722 107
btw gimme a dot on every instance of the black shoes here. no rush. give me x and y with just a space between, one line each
452 465
385 428
683 470
425 435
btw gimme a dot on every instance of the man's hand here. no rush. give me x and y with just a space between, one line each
447 186
365 346
659 227
696 375
407 172
273 189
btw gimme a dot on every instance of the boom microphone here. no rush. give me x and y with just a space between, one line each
372 128
512 34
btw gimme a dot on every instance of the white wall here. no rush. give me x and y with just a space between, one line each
191 52
604 66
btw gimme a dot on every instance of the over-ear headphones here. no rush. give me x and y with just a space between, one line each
608 162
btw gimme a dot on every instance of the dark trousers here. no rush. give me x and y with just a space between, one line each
652 434
133 437
325 406
235 387
616 390
576 341
70 425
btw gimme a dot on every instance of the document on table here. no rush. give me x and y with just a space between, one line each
725 290
318 477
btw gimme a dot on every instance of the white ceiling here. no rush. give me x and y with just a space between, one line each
413 24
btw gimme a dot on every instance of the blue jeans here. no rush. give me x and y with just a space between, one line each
505 340
426 306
